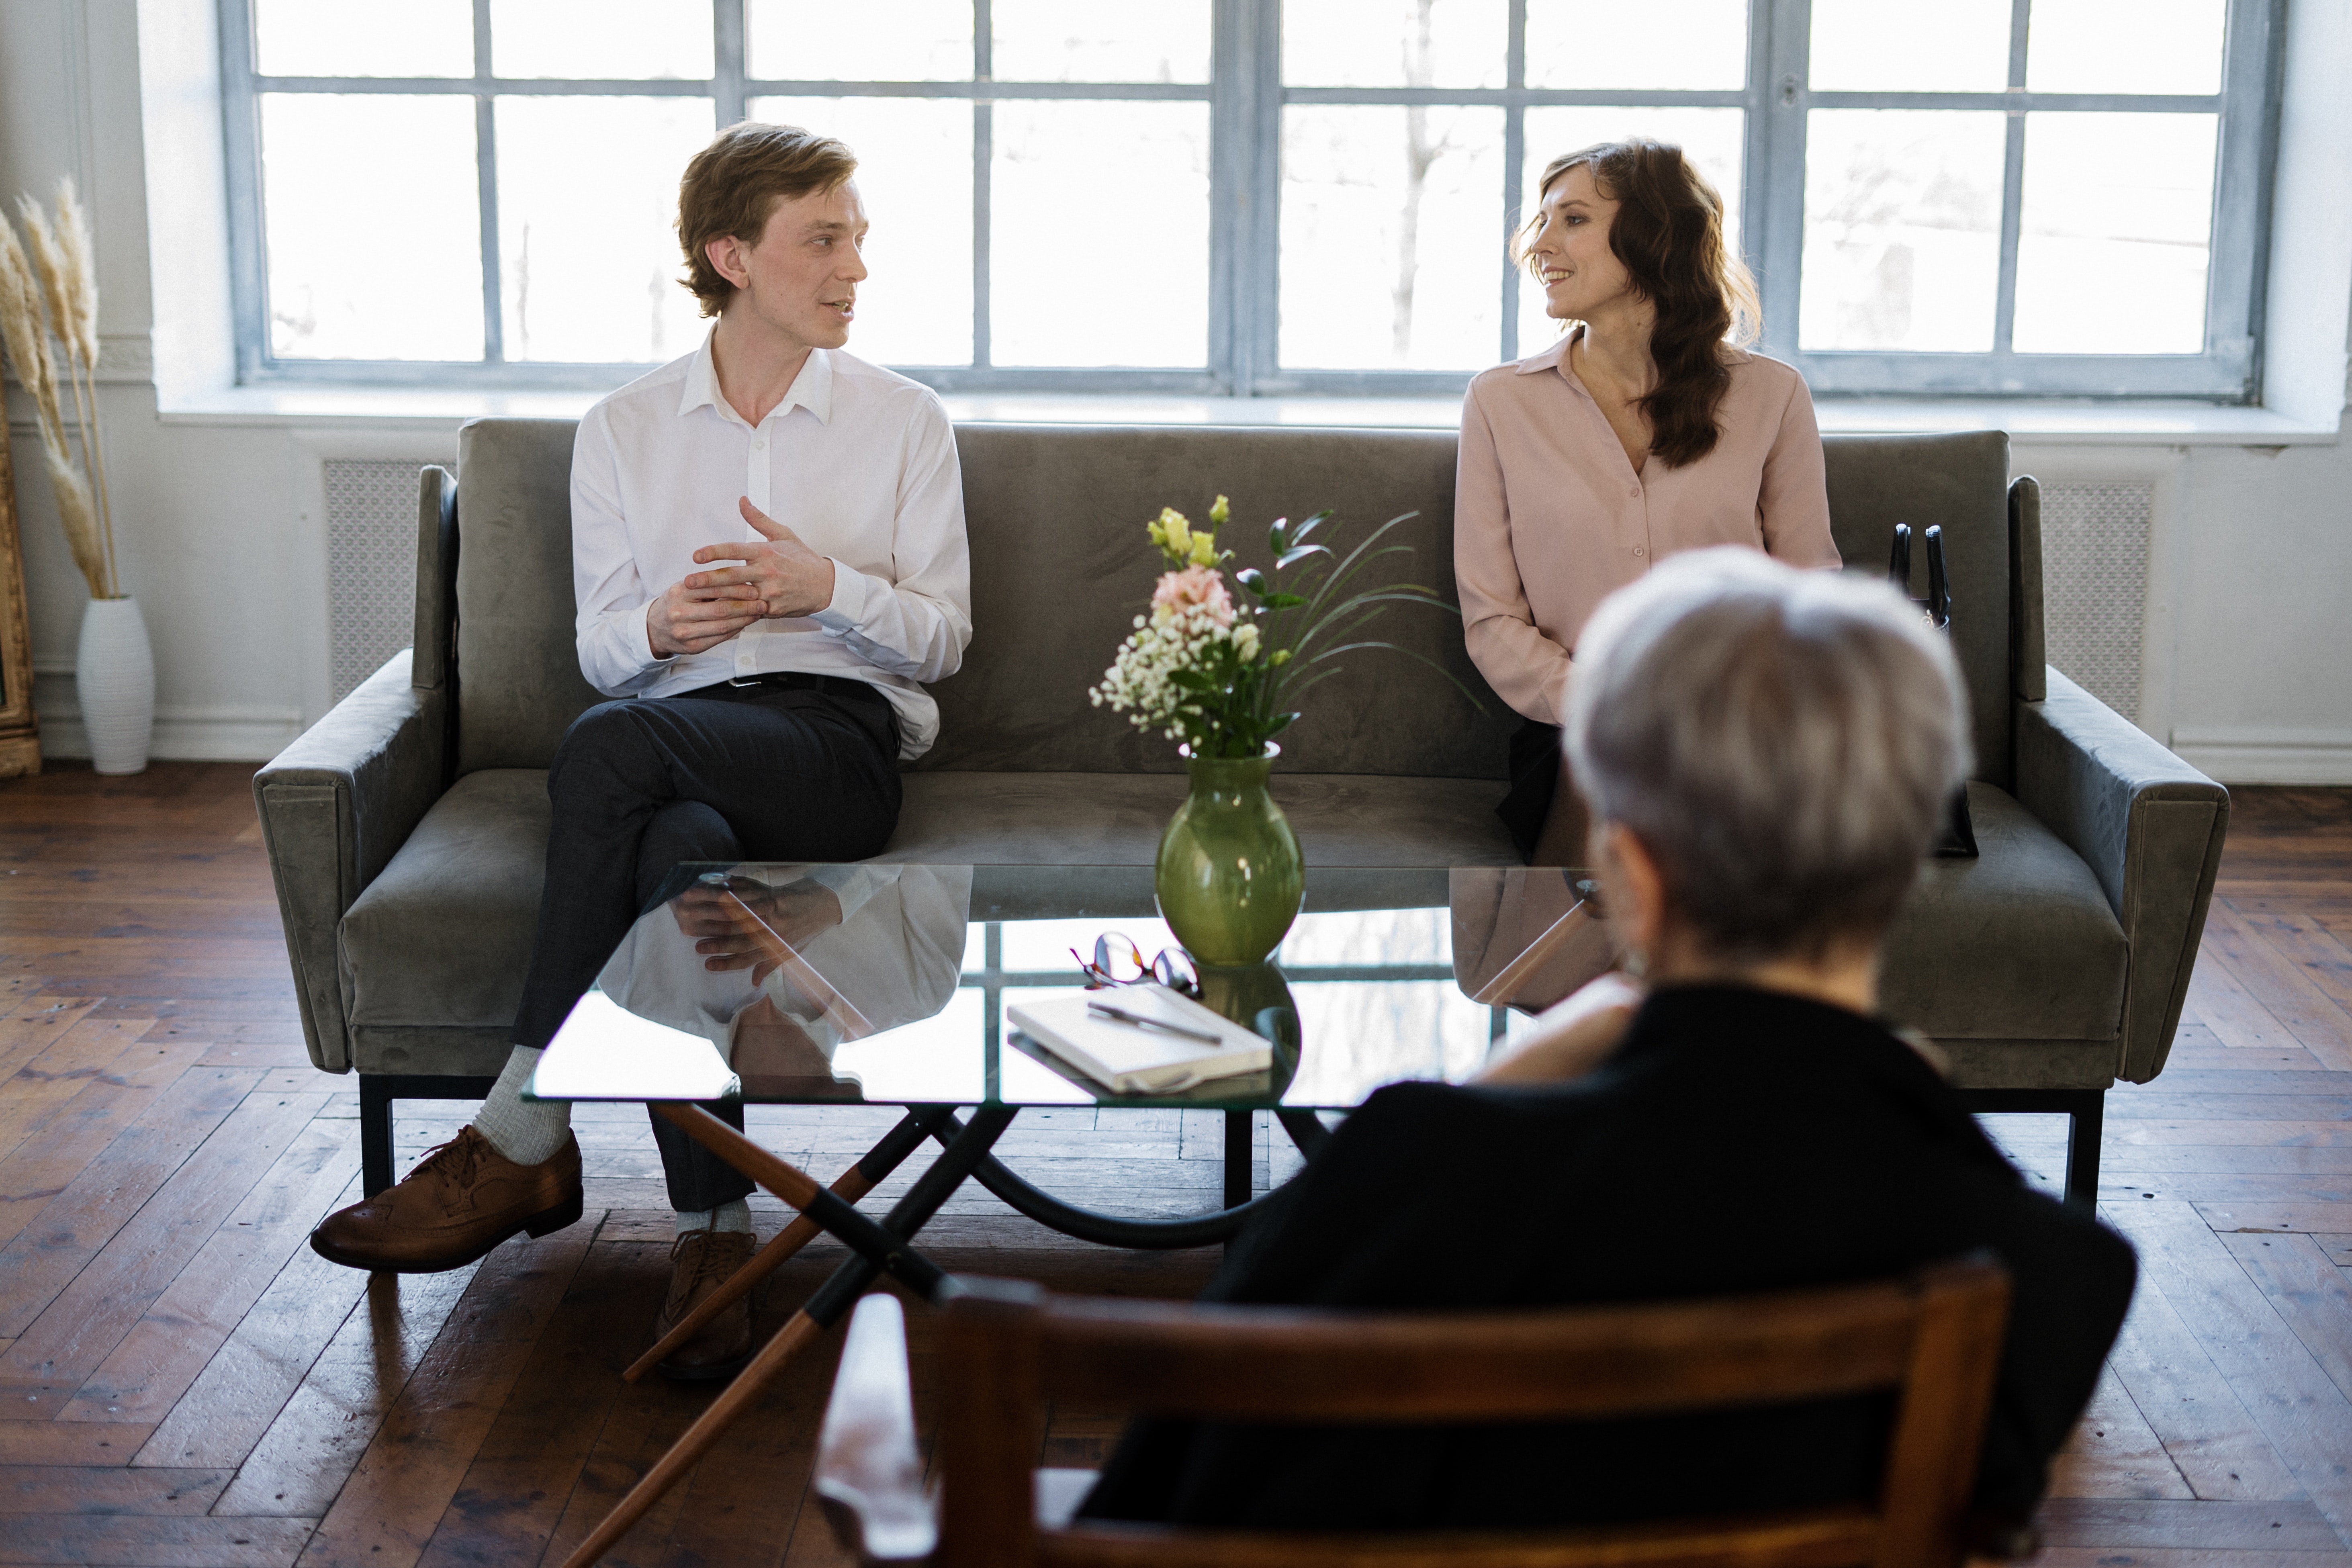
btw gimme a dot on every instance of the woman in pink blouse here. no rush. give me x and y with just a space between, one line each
1642 432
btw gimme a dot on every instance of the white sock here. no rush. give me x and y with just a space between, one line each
735 1216
528 1131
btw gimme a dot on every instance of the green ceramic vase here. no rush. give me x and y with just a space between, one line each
1229 875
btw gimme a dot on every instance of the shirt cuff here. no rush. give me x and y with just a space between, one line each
850 588
641 639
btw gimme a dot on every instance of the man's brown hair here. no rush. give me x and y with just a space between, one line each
732 185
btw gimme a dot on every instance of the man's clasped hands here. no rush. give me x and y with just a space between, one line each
778 577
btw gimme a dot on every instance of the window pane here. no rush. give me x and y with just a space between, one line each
1395 43
2113 237
880 40
1679 45
422 37
1085 40
1392 245
1711 138
373 228
2125 46
1098 234
587 206
914 174
668 39
1902 229
1868 46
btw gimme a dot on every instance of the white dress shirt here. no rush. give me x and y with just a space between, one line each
857 460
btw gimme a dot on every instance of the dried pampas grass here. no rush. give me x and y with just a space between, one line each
58 281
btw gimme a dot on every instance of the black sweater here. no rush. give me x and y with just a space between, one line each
1740 1140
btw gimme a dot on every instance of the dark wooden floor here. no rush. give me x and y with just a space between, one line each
181 1382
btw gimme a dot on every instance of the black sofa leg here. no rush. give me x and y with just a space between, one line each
2084 1125
2085 1114
1241 1153
377 1091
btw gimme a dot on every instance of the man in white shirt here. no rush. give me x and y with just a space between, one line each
769 560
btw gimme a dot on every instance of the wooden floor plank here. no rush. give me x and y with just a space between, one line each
45 1085
144 1375
2226 1526
2317 1218
386 1514
2317 1022
2306 1418
60 1490
2114 1453
68 1443
42 1166
152 1543
2226 1007
89 1318
2309 945
309 1448
2309 1290
33 1023
248 1382
37 1264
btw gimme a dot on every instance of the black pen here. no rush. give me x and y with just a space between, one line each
1121 1015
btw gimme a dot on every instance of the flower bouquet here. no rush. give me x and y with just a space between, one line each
1225 675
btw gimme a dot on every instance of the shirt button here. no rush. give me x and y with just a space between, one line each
1639 551
1635 492
759 443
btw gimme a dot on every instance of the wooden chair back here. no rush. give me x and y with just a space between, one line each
1933 1340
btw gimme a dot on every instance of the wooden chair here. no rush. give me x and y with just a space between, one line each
1011 1350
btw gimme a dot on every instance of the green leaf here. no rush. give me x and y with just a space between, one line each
1275 536
1282 601
1281 723
1253 579
1291 557
1311 524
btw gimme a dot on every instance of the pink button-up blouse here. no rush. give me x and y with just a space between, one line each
1549 517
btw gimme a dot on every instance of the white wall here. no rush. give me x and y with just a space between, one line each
2248 669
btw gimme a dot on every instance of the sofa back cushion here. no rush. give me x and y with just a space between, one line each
1959 483
1061 567
519 680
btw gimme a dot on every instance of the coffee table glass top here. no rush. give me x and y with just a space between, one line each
888 985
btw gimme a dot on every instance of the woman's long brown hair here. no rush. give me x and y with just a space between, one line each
1668 233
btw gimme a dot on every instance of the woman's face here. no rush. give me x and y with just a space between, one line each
1569 255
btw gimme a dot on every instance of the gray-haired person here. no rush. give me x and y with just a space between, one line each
1766 752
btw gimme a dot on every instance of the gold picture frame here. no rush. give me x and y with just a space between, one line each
20 727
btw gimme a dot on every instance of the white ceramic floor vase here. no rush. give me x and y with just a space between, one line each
114 677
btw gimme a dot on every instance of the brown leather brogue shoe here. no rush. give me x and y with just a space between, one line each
463 1199
699 1262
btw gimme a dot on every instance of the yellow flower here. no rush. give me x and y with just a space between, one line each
1204 550
1281 656
1175 535
1219 510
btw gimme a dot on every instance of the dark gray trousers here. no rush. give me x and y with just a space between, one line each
722 774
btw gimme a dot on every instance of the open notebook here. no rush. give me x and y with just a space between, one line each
1131 1060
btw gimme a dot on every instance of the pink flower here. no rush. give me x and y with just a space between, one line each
1195 586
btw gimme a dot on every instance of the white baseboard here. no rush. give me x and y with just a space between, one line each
2250 756
182 734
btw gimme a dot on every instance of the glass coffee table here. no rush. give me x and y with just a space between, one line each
888 985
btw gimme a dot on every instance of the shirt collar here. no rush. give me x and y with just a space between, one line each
1554 357
811 389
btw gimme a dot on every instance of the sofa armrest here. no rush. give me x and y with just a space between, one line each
2150 827
334 806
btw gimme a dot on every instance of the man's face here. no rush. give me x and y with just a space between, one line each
801 278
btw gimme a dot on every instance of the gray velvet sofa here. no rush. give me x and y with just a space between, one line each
406 829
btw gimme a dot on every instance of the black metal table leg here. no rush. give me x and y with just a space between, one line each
1241 1141
2085 1114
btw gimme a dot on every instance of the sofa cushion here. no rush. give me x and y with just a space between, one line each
1115 819
441 939
2019 944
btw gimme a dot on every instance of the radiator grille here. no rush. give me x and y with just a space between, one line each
2095 586
371 565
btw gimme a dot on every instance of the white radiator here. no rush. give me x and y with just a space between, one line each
371 565
2095 585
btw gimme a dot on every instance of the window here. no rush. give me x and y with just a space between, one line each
1259 196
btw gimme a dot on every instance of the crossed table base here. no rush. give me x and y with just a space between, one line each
885 1244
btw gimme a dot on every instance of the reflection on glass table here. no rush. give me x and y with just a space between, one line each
888 984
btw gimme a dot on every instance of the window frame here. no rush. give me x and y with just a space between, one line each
1246 97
